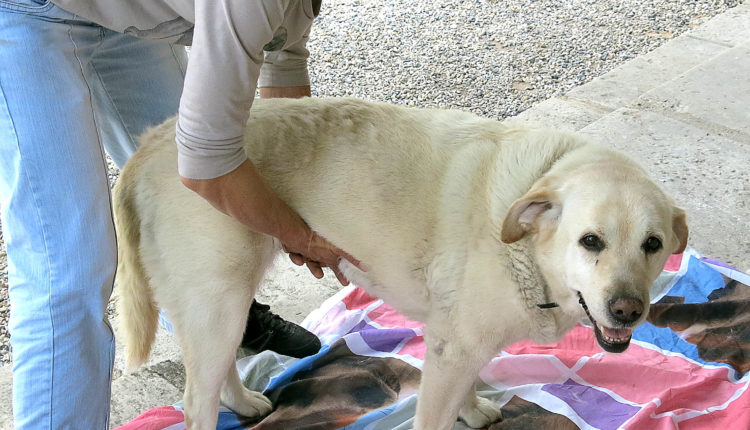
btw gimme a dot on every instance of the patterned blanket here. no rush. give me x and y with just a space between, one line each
686 368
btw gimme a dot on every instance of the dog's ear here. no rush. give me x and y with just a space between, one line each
524 215
680 229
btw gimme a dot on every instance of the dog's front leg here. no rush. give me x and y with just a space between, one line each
448 375
477 411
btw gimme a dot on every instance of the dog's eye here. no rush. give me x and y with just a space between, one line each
592 242
651 245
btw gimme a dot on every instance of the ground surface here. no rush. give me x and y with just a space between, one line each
500 58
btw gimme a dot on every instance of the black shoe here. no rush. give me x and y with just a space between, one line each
266 330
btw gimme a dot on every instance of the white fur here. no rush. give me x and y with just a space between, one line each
426 199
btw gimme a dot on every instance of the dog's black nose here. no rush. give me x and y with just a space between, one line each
625 310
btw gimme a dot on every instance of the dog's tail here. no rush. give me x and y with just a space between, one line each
137 311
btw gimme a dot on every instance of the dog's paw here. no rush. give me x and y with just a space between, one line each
251 404
481 414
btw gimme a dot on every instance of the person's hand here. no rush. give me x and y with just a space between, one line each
316 253
245 196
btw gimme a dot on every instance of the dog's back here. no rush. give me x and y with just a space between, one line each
348 165
372 161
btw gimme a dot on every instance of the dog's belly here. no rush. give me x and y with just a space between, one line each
408 296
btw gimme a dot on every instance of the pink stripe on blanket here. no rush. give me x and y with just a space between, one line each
517 370
155 419
643 374
388 317
415 348
358 299
735 417
673 263
577 343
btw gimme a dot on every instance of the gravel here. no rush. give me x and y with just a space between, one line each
495 58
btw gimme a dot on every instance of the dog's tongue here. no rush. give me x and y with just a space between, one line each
617 333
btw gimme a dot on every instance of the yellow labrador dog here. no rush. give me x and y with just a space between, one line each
487 233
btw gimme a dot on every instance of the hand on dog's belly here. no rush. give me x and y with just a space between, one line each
244 195
317 245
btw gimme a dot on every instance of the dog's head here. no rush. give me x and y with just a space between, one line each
602 231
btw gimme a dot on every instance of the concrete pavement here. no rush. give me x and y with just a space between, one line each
682 110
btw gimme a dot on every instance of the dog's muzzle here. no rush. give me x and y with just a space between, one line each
610 339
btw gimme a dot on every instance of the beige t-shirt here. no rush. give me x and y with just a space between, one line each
231 40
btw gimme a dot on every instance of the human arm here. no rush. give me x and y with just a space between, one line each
244 195
219 88
289 92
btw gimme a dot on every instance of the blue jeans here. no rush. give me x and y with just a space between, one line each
69 89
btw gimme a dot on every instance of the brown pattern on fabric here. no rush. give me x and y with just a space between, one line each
343 386
518 414
719 328
340 388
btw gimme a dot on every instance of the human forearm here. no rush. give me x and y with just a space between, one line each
220 84
288 92
245 196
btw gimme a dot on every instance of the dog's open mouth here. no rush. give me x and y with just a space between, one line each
610 339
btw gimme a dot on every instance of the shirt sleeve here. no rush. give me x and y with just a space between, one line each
222 75
286 67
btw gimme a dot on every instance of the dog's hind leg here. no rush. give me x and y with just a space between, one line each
245 402
209 325
209 340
